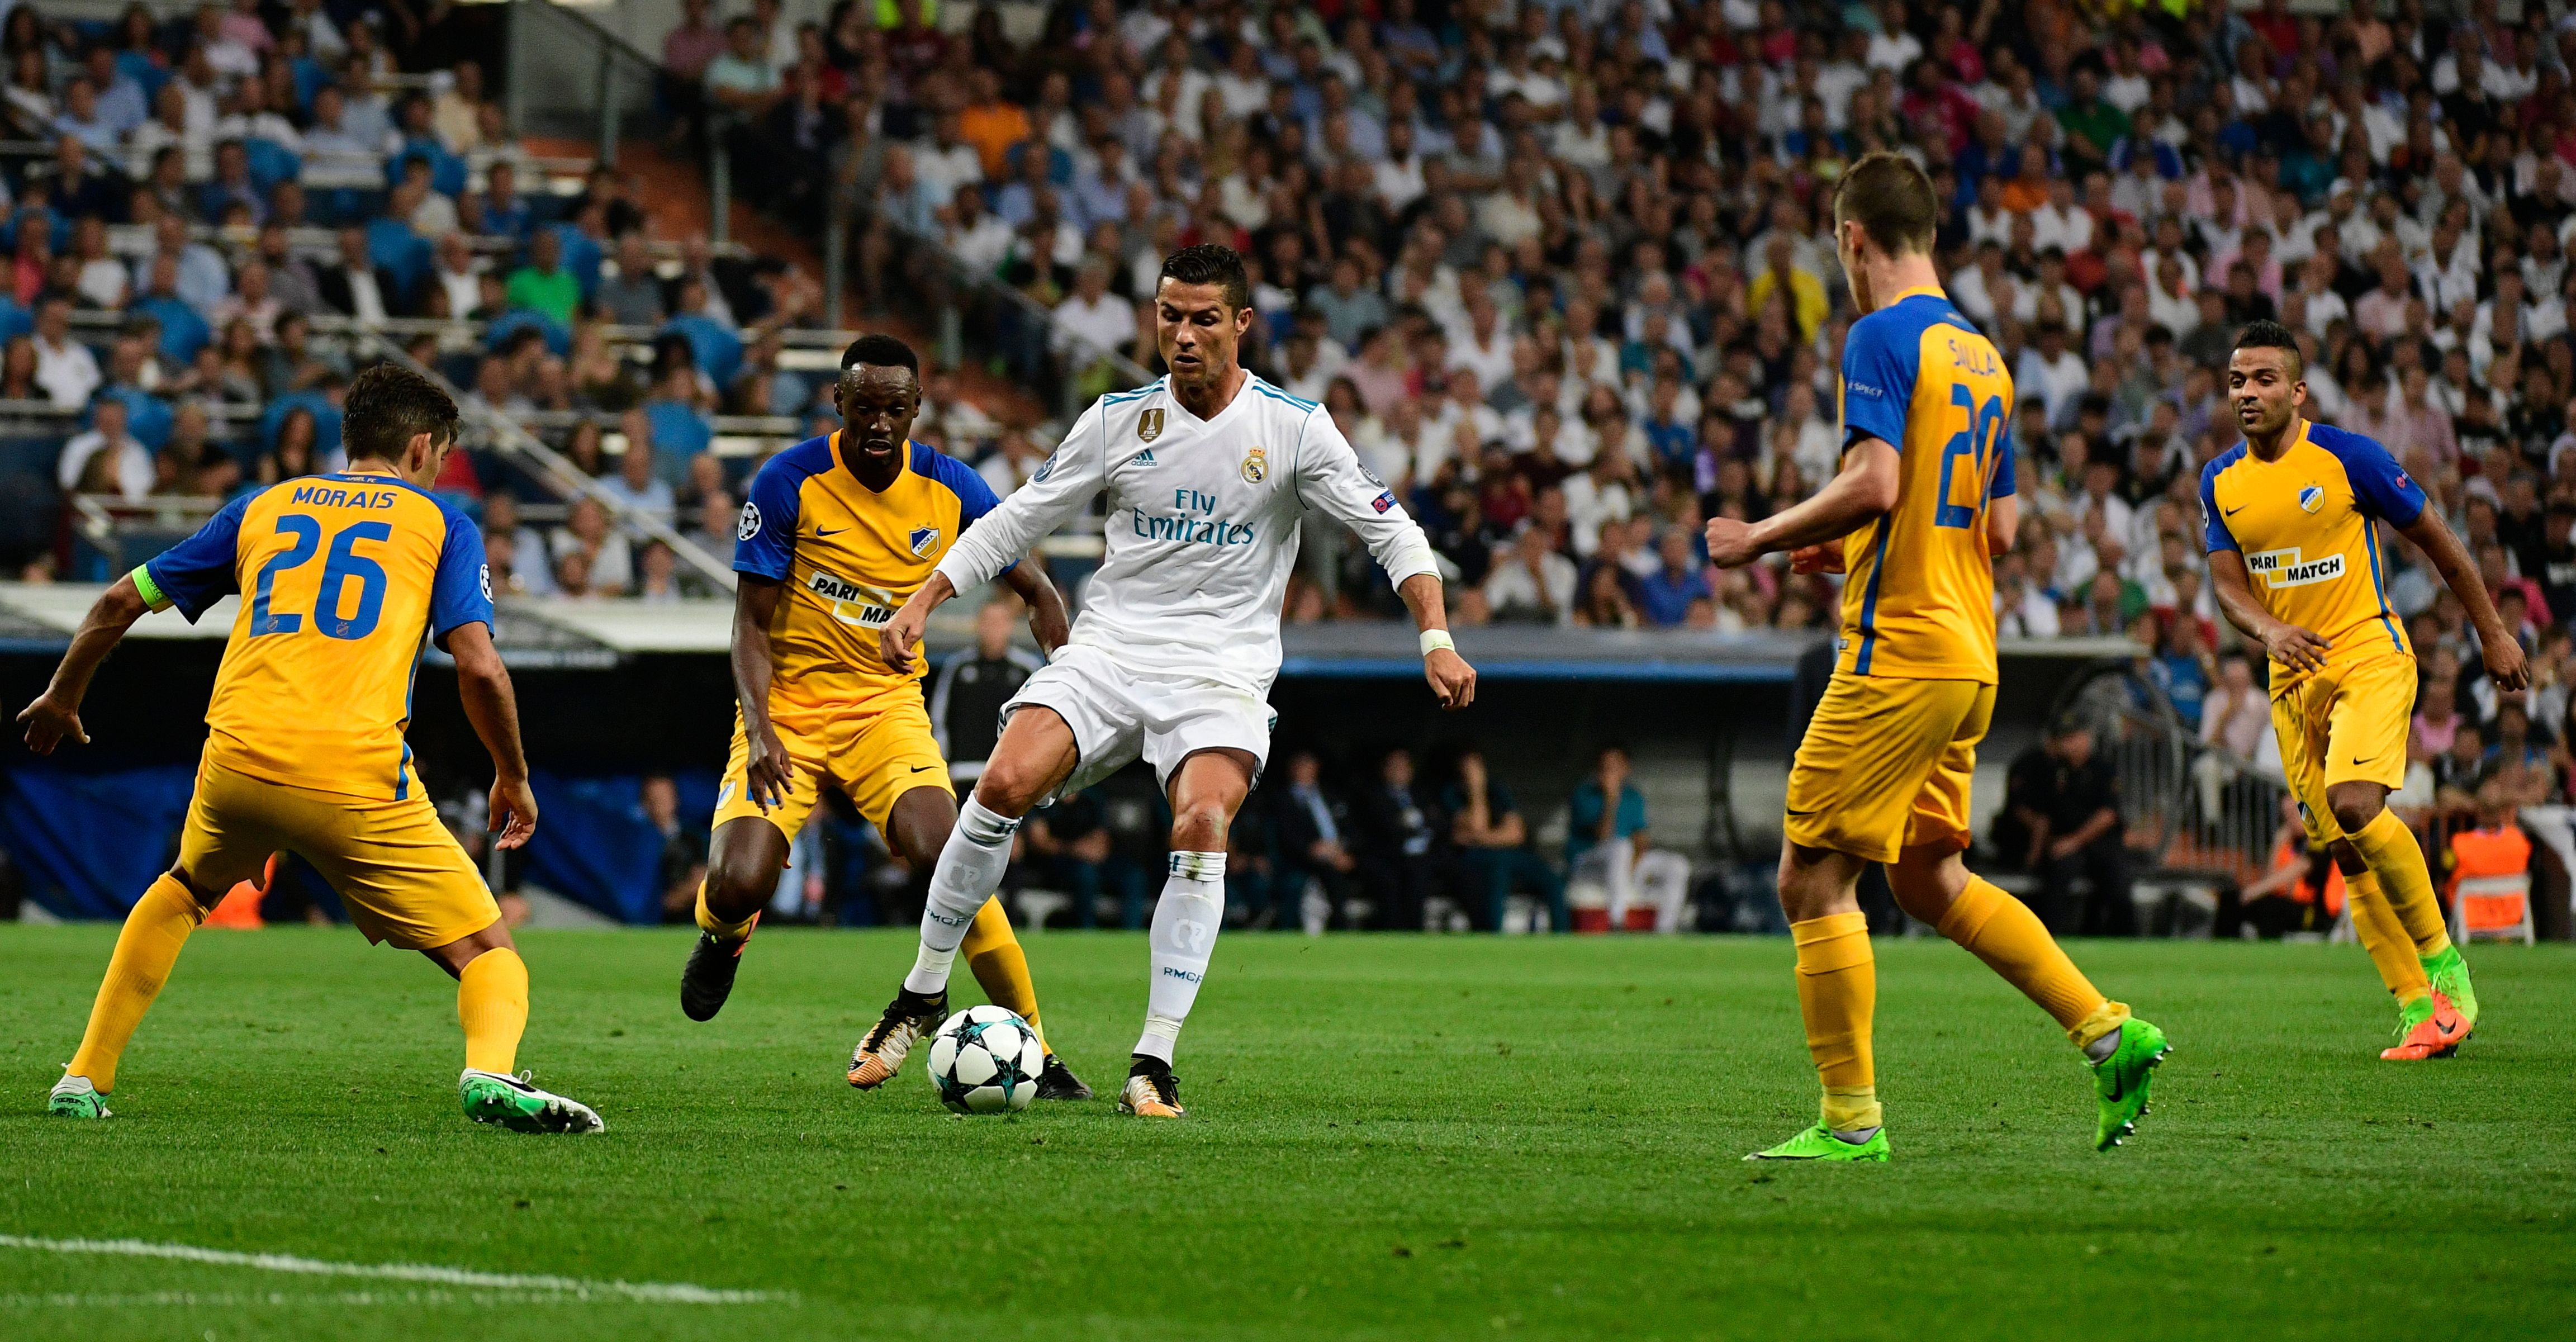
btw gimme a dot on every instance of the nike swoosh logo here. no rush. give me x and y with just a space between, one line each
2119 1086
923 768
2231 512
835 531
1818 811
2358 760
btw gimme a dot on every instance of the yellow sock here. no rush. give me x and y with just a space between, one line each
1991 925
2375 925
1837 995
145 951
993 952
492 1005
717 927
2389 847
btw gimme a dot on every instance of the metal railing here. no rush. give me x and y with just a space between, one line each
568 76
2187 807
564 477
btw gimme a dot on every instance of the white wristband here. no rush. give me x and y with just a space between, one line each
1436 639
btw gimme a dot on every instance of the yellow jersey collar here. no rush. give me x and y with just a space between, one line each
1918 291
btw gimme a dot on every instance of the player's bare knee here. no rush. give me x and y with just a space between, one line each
1199 826
2354 808
735 889
1009 788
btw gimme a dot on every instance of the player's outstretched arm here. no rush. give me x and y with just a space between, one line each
56 713
483 683
1453 682
755 605
900 641
1049 624
2296 648
2497 644
1865 489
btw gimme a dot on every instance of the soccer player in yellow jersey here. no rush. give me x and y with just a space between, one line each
2292 516
837 533
345 576
1923 501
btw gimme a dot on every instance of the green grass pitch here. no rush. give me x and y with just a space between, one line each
1390 1138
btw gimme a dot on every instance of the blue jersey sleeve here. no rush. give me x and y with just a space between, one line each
974 497
460 593
2003 486
2214 533
2379 484
201 570
1878 380
765 539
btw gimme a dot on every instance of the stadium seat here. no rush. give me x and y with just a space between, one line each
2492 906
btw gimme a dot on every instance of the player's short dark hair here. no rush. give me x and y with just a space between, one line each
882 351
386 406
1887 194
2267 334
1211 263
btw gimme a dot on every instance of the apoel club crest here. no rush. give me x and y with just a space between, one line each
1149 425
1256 466
2311 499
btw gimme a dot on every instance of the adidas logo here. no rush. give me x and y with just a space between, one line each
1145 458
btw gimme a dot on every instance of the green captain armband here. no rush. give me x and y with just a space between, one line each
153 596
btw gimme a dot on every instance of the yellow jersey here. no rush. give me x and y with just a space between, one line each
1919 591
2305 525
348 577
850 557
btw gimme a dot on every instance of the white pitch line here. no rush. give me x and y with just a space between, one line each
237 1299
659 1293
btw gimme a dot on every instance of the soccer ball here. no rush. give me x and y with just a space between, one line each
986 1060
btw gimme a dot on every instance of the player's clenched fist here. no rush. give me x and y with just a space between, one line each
1453 682
1730 543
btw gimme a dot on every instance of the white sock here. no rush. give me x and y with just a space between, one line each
970 870
1183 938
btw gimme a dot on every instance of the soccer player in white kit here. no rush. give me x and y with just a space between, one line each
1207 472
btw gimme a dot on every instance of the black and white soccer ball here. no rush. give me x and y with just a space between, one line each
986 1060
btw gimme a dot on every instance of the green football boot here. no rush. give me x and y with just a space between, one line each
1817 1143
2450 976
75 1097
2120 1081
491 1097
2412 1014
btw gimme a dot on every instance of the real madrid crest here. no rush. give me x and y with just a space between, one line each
1149 425
1256 466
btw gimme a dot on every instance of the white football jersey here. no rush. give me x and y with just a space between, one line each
1202 525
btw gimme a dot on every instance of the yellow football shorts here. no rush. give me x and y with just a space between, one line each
2345 724
402 876
872 752
1886 765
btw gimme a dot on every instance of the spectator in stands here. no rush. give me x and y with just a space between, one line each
531 566
657 573
65 369
606 564
1679 582
966 698
1069 843
2302 891
543 285
1608 843
1403 852
1533 584
107 459
1312 828
681 862
1493 843
636 487
633 296
741 80
2065 800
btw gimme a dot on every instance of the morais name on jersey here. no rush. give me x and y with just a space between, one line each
1203 528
